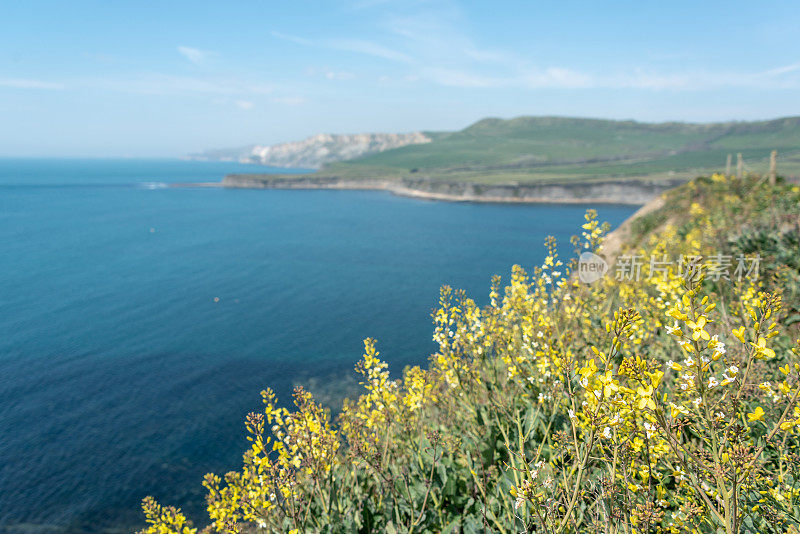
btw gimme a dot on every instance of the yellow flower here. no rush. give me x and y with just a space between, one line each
645 398
589 370
762 351
739 333
676 410
655 377
698 328
609 384
756 415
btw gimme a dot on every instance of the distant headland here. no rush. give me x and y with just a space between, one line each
528 159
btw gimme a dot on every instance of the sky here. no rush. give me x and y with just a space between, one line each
165 79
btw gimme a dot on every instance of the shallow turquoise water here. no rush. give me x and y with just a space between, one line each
139 322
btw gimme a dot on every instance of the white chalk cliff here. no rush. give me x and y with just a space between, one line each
315 151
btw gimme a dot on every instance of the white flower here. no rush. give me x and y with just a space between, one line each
698 401
571 414
674 329
535 470
689 361
712 382
726 379
607 433
733 369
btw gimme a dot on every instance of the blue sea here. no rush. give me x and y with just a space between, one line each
138 321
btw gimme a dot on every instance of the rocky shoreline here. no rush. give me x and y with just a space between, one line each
629 191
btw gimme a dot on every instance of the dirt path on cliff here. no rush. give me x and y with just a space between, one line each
613 242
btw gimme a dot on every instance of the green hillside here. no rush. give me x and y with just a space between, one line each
555 149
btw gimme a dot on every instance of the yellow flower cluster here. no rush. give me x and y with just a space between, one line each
661 404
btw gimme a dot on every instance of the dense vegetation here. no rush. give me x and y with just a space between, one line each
538 149
662 399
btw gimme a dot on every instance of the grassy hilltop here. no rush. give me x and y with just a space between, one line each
556 149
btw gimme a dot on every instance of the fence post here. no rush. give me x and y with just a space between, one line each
728 166
773 167
739 166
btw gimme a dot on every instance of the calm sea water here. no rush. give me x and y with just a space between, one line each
139 322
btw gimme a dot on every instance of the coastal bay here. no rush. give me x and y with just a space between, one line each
129 375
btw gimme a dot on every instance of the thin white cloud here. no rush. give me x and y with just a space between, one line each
161 84
460 79
329 74
292 38
357 46
195 55
365 4
446 55
658 82
24 83
786 69
339 75
370 49
552 77
557 77
290 100
232 102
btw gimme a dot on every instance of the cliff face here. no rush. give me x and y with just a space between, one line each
606 191
317 150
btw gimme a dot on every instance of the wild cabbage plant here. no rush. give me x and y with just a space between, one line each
665 402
